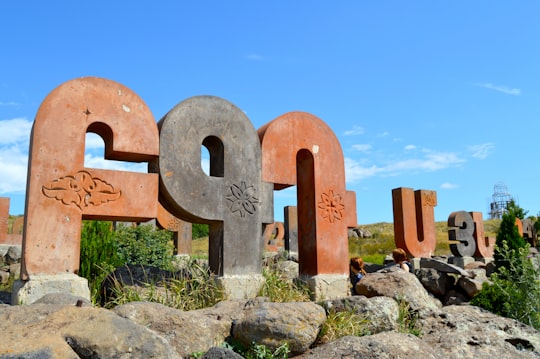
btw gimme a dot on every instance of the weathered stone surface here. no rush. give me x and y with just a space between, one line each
381 313
187 332
442 266
436 282
485 246
389 345
471 286
75 332
300 149
13 255
272 324
470 332
414 221
4 216
221 353
461 229
291 228
233 199
27 292
61 191
398 284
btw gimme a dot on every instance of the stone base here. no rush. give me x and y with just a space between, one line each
484 260
327 286
240 286
27 292
415 262
460 261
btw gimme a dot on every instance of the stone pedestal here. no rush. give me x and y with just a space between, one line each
240 286
415 262
27 292
460 261
327 286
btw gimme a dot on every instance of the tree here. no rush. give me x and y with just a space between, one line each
507 236
516 210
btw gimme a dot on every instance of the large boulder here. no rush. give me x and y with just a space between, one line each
465 331
187 332
383 345
381 313
273 324
399 285
60 332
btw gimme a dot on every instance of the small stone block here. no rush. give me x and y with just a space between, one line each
27 292
460 261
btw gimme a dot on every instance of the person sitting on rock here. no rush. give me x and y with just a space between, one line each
401 259
357 272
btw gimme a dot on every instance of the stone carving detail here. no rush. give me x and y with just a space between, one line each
242 198
81 189
331 206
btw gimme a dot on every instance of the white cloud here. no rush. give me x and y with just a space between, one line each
362 147
93 161
94 141
409 147
15 131
383 134
9 103
482 151
356 130
448 185
13 166
432 161
503 89
356 171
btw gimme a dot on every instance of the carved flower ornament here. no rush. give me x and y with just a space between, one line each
331 206
81 189
242 198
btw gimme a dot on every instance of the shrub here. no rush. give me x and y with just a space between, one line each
145 245
199 230
514 291
509 236
98 253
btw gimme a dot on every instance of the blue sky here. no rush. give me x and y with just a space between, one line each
435 95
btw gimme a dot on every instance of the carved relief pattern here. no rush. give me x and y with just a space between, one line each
332 206
81 189
173 225
429 199
242 199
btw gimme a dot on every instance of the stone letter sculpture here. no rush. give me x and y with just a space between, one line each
61 192
414 221
461 229
233 200
300 149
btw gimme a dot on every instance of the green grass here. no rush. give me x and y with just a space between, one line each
342 323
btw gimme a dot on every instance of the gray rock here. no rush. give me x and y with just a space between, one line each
466 331
73 332
471 286
187 332
63 299
399 285
435 282
273 324
381 313
442 266
390 345
221 353
13 255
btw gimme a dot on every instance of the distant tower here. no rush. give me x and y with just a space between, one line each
500 199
